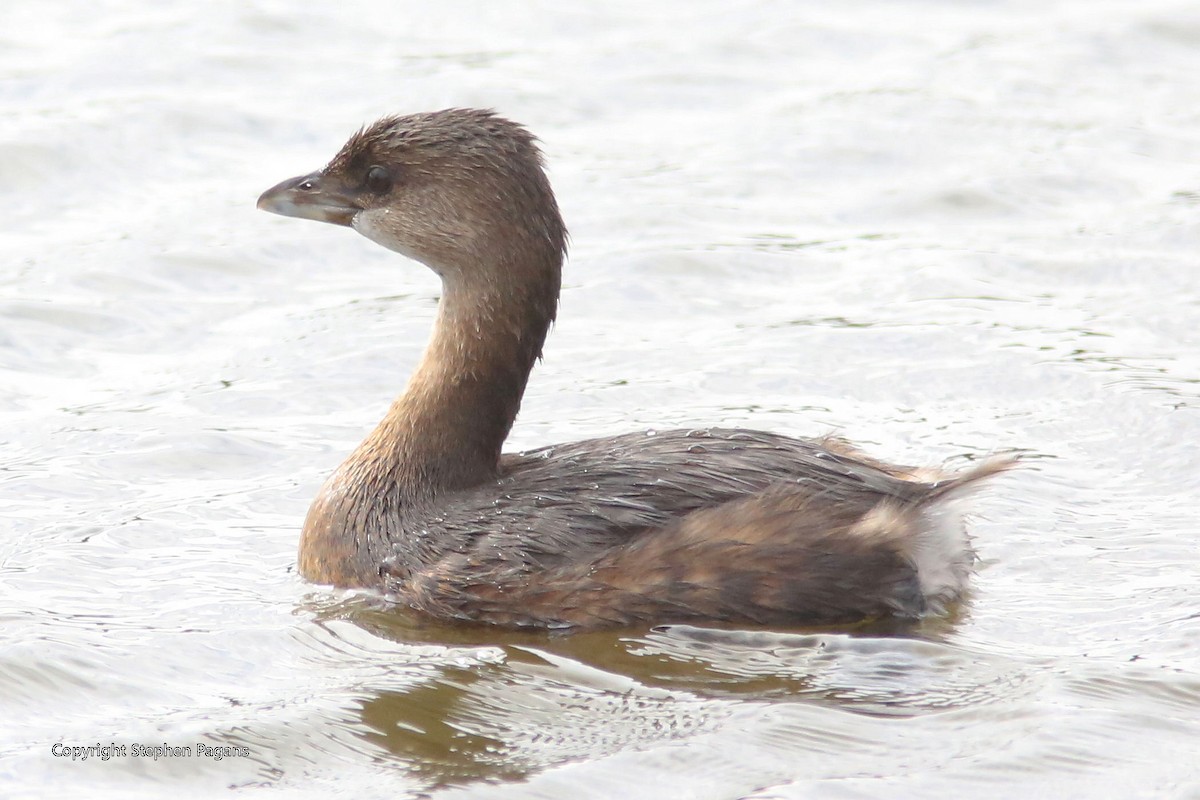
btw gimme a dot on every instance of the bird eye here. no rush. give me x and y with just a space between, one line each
378 180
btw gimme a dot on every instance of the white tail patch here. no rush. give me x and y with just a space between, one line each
942 553
942 550
935 541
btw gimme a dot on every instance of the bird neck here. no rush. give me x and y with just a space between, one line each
446 430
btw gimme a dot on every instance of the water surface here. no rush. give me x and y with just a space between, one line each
941 228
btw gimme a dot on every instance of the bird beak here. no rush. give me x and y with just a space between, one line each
314 196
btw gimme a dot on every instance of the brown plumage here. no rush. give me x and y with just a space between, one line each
718 524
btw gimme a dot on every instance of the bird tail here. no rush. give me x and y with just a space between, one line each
942 550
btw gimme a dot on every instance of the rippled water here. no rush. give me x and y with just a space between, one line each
943 228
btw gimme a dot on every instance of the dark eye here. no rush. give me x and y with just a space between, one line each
378 180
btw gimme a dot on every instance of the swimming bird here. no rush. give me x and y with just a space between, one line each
714 524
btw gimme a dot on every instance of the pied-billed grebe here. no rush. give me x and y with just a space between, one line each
673 526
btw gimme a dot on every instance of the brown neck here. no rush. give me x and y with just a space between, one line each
446 430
